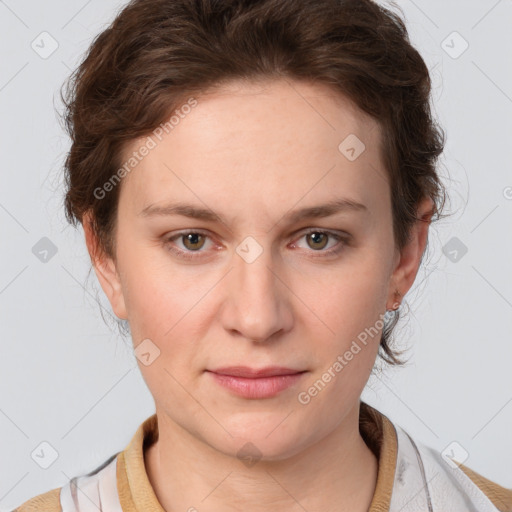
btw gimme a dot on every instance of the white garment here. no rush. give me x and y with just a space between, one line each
96 491
423 482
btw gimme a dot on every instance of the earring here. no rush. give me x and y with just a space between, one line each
397 303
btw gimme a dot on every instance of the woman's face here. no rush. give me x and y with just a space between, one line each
253 168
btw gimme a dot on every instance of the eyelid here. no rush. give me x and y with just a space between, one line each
332 232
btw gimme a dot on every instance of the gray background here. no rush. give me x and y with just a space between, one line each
70 381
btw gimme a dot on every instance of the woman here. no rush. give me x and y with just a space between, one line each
256 182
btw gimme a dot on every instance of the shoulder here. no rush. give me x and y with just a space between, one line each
48 501
500 496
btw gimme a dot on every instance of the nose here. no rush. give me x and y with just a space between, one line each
257 301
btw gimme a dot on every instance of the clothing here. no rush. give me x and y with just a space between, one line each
121 483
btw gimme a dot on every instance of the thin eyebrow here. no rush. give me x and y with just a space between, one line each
194 212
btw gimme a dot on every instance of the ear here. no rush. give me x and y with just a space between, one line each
105 270
409 259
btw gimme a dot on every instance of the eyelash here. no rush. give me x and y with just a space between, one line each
189 255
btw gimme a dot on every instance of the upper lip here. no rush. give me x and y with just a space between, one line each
245 371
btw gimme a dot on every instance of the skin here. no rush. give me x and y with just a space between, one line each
252 152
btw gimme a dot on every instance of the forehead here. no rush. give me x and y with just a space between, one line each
255 112
262 139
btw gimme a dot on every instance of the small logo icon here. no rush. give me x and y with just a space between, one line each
44 45
454 45
351 147
249 454
44 250
454 454
249 249
146 352
44 455
454 249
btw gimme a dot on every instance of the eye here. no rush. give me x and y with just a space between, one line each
317 240
192 241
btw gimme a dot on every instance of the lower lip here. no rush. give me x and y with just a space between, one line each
262 387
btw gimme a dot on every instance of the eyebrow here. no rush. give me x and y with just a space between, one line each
194 212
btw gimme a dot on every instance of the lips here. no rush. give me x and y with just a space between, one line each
256 383
255 373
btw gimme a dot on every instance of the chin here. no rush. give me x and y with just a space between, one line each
262 442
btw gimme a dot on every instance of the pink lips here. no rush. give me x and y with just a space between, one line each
256 383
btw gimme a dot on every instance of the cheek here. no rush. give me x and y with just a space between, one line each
156 294
161 308
353 311
149 303
349 298
171 307
351 302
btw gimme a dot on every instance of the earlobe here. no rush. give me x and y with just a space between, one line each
106 271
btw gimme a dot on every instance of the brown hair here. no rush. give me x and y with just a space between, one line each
157 53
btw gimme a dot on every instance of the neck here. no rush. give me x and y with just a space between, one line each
338 472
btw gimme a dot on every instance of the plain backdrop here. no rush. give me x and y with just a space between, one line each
70 386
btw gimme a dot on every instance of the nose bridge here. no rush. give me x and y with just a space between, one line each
256 303
255 276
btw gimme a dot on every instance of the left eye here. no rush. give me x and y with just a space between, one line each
317 240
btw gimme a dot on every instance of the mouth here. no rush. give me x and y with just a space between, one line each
256 383
254 373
